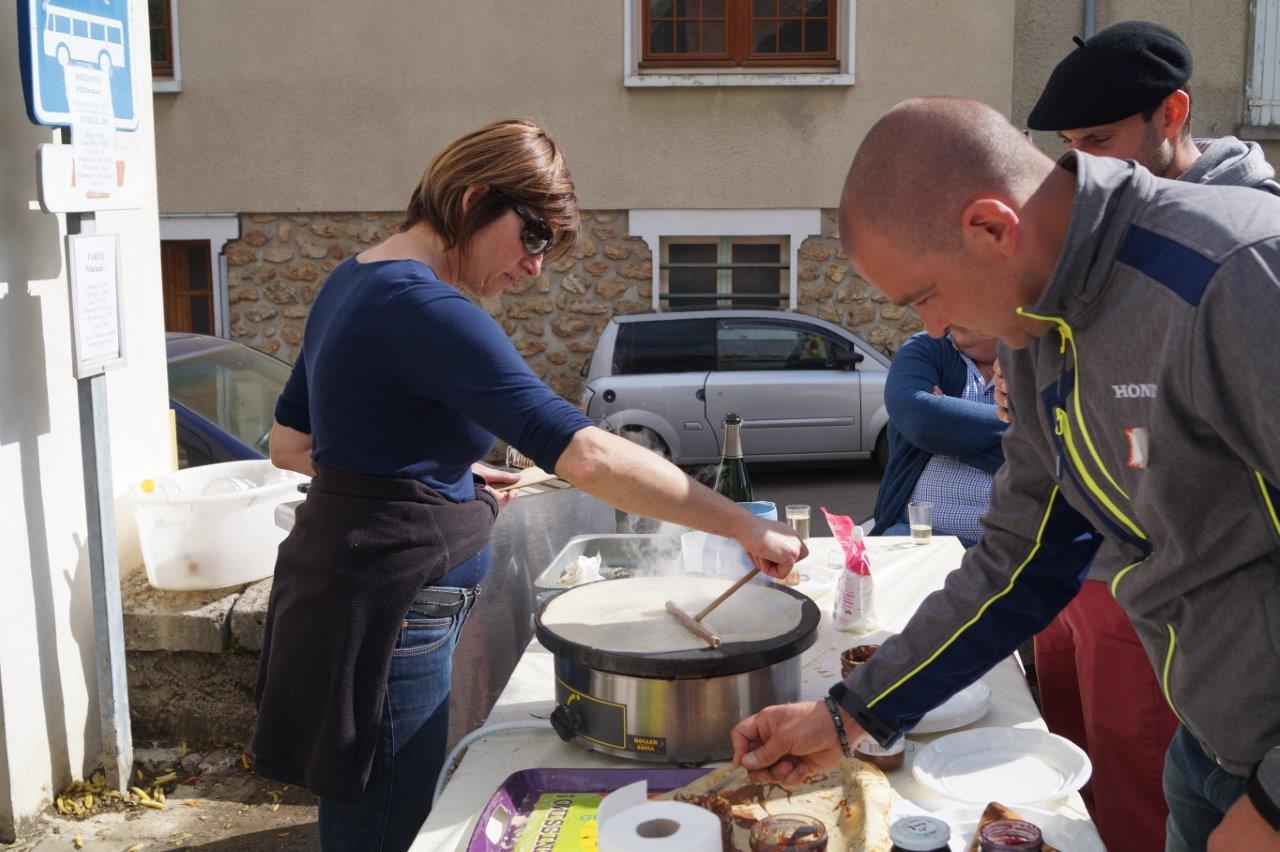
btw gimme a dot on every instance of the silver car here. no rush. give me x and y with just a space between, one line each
805 388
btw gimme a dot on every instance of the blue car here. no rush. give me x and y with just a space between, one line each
223 395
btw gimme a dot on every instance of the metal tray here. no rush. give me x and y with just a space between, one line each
627 553
513 801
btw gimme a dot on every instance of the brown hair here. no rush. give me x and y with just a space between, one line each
515 158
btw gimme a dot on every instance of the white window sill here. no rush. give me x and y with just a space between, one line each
165 84
641 81
1259 132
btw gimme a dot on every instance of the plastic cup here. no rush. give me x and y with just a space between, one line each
920 516
798 517
762 509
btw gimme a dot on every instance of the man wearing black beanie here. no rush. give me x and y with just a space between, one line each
1124 93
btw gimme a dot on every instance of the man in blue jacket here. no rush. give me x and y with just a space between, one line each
944 433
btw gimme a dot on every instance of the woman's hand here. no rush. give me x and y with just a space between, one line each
1003 411
774 547
492 477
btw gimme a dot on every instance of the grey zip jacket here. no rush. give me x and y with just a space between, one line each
1222 162
1146 434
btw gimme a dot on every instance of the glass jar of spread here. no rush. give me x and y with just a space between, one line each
853 657
1010 835
920 834
885 759
788 833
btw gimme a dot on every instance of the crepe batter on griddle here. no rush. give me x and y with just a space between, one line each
630 615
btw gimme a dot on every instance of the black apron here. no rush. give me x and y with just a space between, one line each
360 550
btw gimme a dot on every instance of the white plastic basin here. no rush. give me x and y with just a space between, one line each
212 526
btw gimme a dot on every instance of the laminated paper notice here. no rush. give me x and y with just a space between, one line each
93 133
95 298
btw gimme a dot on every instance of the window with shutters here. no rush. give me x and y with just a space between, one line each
698 273
1262 88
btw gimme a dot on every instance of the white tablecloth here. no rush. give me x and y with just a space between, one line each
904 575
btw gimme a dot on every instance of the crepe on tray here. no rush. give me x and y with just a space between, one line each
996 811
852 799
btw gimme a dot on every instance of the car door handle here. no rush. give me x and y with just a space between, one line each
700 395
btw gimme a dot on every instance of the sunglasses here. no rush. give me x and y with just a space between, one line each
536 235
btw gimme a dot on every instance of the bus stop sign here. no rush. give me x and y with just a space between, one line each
56 36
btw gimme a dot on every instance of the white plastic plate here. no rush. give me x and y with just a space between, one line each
1016 766
968 705
1059 830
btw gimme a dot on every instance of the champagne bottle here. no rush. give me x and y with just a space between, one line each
731 476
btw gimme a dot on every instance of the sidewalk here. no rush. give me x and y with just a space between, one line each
217 805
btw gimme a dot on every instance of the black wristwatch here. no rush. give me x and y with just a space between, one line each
834 709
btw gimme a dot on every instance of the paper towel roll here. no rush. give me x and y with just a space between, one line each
661 827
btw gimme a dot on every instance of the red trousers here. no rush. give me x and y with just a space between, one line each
1099 690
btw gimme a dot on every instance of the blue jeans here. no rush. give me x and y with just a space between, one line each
411 740
1198 791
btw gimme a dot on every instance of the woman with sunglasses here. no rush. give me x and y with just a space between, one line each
401 386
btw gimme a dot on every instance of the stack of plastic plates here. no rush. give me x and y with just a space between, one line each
1014 766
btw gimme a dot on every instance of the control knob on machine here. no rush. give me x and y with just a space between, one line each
566 721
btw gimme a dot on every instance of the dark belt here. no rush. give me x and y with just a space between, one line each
443 603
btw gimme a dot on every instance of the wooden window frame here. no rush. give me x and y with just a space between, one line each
739 17
177 313
163 69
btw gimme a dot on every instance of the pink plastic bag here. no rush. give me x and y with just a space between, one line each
855 599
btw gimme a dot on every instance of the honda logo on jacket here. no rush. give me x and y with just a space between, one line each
1134 391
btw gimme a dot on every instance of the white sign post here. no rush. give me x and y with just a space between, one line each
77 74
97 335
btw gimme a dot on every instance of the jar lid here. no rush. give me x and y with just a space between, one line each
920 834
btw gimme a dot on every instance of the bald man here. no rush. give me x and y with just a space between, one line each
1143 314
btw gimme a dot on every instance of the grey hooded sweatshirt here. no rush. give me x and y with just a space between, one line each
1231 162
1147 427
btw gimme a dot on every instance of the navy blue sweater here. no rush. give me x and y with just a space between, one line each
401 375
923 424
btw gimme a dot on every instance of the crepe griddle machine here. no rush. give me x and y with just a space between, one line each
674 707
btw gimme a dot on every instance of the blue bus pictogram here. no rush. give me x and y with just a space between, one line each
57 35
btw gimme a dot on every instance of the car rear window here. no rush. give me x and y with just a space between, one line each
668 346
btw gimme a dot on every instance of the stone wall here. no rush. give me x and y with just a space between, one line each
829 289
278 264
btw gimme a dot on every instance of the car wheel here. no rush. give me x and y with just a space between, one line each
648 439
881 454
